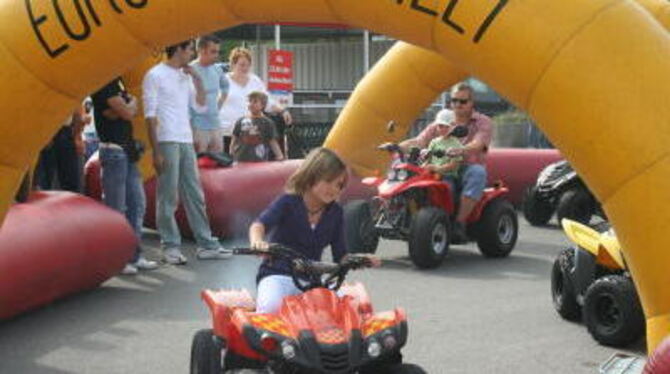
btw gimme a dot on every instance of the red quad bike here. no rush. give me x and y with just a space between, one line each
415 205
330 328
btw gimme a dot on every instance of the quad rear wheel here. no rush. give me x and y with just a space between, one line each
576 204
612 311
537 211
497 229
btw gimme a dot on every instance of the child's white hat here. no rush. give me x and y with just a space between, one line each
445 117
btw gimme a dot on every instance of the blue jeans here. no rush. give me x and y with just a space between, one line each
453 184
473 180
122 189
180 178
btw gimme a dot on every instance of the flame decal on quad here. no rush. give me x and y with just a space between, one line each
331 335
270 323
377 323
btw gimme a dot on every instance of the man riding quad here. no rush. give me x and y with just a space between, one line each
418 202
474 150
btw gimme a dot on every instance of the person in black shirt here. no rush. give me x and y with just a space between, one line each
59 160
122 187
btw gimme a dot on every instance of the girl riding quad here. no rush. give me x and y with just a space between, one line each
306 218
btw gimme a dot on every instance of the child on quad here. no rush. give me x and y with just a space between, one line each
306 218
438 159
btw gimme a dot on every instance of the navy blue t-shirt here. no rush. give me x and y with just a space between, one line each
286 223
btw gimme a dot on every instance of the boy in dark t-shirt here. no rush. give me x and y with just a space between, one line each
254 134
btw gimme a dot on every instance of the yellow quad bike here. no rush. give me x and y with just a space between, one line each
591 280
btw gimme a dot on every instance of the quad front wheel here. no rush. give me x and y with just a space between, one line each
206 353
429 237
403 369
562 290
360 232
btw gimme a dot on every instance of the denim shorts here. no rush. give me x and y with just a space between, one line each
474 181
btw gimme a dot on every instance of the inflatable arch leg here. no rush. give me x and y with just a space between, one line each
603 102
412 77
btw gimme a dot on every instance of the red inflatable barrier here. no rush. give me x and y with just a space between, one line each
237 194
659 361
56 244
518 168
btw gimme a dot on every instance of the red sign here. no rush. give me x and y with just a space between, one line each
280 70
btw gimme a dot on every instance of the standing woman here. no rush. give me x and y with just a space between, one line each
242 83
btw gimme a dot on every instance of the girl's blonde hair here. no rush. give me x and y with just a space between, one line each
238 53
321 164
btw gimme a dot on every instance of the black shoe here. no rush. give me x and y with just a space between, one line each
459 235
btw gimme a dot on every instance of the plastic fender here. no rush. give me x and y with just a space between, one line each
358 292
582 235
489 195
221 304
610 247
236 340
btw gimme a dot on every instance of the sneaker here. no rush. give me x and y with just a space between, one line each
213 254
459 234
129 269
144 264
174 256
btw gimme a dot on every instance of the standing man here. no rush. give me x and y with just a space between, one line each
207 130
122 185
475 147
169 90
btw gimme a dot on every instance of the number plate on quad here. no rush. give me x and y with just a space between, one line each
620 363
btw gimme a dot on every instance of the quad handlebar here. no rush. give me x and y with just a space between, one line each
306 273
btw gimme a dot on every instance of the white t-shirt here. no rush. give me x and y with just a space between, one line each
236 105
167 94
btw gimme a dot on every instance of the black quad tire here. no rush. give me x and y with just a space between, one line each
536 211
360 232
206 353
612 311
429 237
562 289
497 229
576 204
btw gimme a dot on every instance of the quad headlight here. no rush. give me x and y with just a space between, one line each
288 350
374 348
402 174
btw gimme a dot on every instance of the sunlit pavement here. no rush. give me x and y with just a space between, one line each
472 315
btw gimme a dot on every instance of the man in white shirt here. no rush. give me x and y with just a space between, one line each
169 90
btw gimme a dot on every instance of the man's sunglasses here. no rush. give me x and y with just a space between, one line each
459 101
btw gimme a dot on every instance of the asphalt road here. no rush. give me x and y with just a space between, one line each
472 315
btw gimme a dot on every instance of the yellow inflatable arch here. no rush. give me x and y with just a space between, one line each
598 88
427 74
